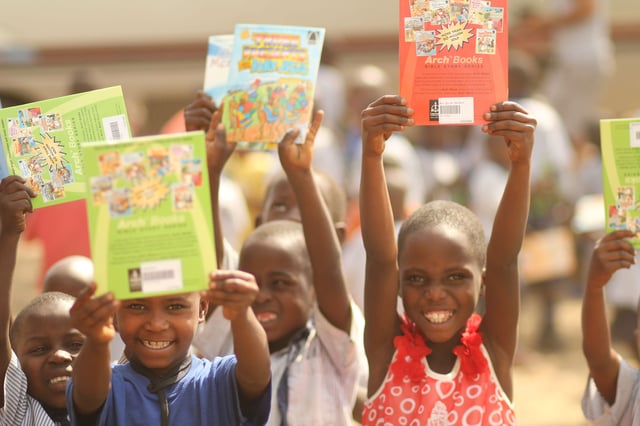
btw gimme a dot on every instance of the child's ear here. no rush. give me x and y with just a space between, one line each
204 308
341 230
258 221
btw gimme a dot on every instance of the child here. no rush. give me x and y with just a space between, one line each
303 303
38 349
611 397
72 275
439 364
163 383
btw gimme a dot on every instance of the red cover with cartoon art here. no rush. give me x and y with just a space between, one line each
453 59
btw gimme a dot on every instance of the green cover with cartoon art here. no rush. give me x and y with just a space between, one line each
620 146
149 211
41 140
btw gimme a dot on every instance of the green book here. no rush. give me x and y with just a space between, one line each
41 140
620 146
149 211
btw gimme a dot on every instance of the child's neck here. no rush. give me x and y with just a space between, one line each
442 359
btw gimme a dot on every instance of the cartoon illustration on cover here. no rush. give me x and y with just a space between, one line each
271 81
141 180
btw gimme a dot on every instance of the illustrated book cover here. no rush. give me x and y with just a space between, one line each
41 140
453 59
149 215
620 147
271 81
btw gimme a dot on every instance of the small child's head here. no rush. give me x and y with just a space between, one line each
280 201
45 343
70 275
157 331
276 254
441 258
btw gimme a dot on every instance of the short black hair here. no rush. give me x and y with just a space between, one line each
44 299
288 231
449 213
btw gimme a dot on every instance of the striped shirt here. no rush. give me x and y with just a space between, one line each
20 409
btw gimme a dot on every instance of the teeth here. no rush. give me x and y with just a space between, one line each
59 379
438 317
265 316
152 344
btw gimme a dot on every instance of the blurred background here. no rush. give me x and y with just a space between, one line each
156 51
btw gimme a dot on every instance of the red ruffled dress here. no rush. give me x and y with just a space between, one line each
413 394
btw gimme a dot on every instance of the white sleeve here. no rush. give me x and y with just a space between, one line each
598 412
15 394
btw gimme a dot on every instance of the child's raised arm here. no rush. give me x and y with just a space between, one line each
612 252
319 233
15 202
516 126
218 152
380 119
93 317
236 291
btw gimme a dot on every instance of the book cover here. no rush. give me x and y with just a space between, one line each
216 74
620 146
41 140
272 78
149 214
453 59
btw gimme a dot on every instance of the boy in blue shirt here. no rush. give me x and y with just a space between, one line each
163 384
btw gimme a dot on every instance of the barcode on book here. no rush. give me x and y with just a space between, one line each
455 110
115 128
634 133
161 275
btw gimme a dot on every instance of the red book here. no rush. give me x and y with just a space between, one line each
453 59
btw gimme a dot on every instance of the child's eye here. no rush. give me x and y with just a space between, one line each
39 350
280 284
176 307
415 280
279 207
135 306
457 277
74 347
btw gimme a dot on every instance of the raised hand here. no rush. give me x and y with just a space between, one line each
15 202
381 118
93 316
295 156
515 125
197 114
235 291
612 252
218 149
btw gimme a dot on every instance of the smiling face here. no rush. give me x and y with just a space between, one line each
45 345
282 271
440 279
157 331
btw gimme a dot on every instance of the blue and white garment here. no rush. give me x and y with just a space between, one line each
20 409
206 395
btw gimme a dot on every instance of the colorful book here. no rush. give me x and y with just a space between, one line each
620 146
271 83
216 74
453 59
149 211
41 140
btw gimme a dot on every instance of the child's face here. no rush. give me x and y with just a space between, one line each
280 203
284 302
157 331
46 345
440 280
